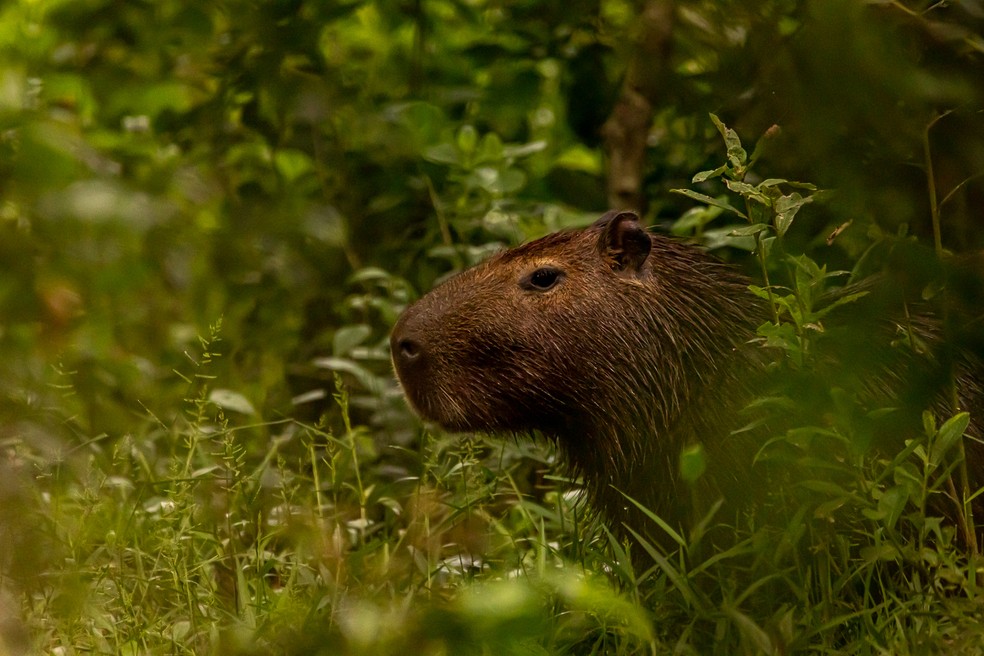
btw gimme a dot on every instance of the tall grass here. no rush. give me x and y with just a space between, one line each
212 532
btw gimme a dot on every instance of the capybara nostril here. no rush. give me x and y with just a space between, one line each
407 349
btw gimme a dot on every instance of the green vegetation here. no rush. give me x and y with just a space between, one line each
212 213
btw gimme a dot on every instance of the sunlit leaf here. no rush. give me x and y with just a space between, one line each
231 400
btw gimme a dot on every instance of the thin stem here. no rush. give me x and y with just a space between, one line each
765 269
965 511
934 208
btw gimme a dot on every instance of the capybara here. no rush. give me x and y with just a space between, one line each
623 346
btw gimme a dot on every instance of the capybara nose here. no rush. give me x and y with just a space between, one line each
406 350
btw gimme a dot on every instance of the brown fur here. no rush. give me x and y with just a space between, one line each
638 348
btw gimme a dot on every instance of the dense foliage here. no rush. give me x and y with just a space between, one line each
212 213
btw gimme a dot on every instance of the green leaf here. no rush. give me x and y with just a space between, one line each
746 190
491 148
694 219
786 208
802 185
230 400
693 462
752 631
153 99
523 150
369 274
580 158
843 300
704 176
760 213
499 182
828 508
348 337
722 238
422 121
498 602
929 423
780 336
892 503
749 230
882 552
949 434
443 153
467 139
772 182
932 290
765 243
707 200
596 596
291 163
365 377
762 293
825 487
737 156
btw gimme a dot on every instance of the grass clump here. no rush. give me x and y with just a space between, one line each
215 532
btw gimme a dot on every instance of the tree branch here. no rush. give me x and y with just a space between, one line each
626 131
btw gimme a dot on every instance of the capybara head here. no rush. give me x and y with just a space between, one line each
609 340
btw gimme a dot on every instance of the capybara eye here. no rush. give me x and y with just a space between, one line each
542 279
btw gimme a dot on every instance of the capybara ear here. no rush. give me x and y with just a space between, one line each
623 242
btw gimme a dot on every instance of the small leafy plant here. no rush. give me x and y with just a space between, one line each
857 524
